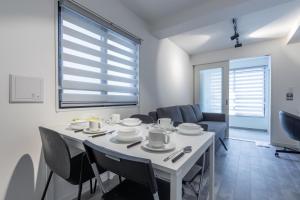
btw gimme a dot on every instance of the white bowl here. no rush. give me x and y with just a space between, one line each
127 132
131 120
190 126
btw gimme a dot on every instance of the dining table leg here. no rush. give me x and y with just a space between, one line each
212 170
176 187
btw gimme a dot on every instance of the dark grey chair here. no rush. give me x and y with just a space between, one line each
140 182
75 170
146 119
291 125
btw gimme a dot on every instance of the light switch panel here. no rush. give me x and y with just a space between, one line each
26 89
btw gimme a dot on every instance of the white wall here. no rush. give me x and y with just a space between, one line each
28 48
285 70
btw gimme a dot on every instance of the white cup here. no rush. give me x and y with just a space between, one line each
115 118
164 123
158 138
94 125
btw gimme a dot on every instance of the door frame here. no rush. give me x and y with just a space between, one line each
224 65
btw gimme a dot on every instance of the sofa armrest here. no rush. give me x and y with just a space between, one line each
219 117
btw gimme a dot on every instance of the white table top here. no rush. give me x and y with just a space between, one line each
198 142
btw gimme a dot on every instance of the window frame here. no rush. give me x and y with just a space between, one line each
58 74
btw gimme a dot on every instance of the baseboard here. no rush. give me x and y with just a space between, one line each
278 144
251 129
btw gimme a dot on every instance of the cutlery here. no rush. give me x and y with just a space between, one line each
134 144
110 132
78 130
176 152
101 134
185 150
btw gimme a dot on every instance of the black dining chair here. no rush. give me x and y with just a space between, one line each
140 182
75 170
291 126
146 119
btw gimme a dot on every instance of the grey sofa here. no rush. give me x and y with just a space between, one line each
192 114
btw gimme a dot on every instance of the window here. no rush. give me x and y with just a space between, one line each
247 92
97 61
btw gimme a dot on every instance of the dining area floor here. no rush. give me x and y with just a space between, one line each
249 172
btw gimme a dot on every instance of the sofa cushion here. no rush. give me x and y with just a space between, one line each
217 127
172 112
198 112
153 114
188 114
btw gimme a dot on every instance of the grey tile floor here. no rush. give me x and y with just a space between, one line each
248 172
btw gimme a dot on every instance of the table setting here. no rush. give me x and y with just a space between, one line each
173 151
153 138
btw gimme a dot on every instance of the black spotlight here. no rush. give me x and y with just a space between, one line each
237 45
236 34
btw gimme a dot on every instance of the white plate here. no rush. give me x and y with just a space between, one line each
190 132
167 147
89 131
189 126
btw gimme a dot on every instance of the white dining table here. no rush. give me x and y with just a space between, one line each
168 171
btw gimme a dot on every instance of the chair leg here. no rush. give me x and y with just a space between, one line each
223 144
91 186
79 191
80 178
286 151
95 185
47 185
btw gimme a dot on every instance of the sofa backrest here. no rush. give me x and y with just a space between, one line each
198 112
179 114
172 112
154 116
188 114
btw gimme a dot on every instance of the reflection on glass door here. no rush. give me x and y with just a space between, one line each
211 87
210 98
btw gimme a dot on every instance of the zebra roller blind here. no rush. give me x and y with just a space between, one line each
247 92
98 65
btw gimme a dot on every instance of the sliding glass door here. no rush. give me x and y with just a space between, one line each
211 87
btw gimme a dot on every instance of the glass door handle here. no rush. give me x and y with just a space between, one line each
226 102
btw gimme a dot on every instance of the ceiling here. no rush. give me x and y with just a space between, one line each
153 10
199 26
260 26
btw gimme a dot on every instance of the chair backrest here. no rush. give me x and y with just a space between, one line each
290 124
146 119
56 152
135 169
